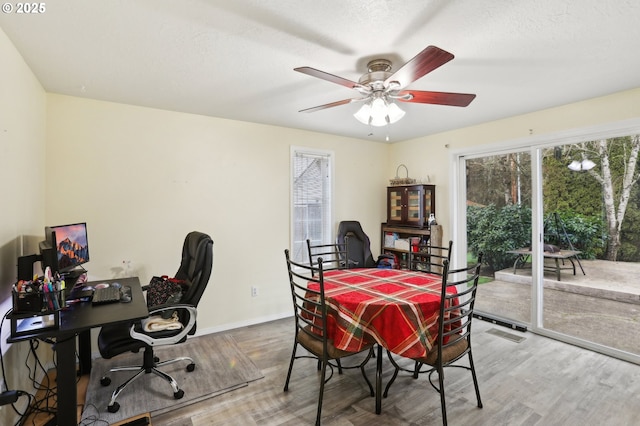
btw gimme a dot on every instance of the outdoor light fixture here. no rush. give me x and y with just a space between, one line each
578 166
379 111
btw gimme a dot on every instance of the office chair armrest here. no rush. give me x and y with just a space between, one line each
159 338
155 310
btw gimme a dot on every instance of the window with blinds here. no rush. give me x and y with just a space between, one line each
311 200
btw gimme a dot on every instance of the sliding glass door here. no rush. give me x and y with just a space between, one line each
498 222
558 224
592 243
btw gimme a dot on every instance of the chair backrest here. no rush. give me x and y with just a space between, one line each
457 301
334 256
308 303
195 267
429 258
359 245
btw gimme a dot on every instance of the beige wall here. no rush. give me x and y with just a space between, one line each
22 154
22 150
142 178
432 154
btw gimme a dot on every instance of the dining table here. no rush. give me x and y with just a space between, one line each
394 308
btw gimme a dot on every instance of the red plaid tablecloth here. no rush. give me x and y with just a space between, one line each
398 309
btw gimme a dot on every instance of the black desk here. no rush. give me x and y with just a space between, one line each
78 320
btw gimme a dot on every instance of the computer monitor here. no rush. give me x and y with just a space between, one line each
70 245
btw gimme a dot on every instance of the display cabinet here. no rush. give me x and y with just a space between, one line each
410 205
396 240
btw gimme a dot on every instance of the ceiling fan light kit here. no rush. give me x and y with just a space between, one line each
380 88
379 112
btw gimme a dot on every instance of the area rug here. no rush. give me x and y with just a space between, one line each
220 367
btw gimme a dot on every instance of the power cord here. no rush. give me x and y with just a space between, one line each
50 389
11 396
44 401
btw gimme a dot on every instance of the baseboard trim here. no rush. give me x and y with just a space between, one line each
234 325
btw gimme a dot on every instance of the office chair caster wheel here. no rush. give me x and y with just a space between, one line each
178 394
191 367
113 408
105 381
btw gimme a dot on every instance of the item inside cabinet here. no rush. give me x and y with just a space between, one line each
399 241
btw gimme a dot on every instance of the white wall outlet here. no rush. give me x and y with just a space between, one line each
254 291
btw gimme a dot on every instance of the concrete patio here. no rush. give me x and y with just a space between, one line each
602 306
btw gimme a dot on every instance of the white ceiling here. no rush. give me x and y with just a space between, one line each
235 59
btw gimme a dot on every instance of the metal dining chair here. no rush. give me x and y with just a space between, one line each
454 331
310 314
429 258
334 256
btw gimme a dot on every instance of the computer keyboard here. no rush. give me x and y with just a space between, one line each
105 295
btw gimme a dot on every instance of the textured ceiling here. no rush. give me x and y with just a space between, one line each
235 59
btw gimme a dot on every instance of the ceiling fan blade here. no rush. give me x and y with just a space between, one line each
423 63
326 76
438 98
331 105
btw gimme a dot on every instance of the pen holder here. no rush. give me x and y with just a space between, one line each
35 310
27 302
51 301
37 301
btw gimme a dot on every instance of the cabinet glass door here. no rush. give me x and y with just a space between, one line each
414 205
395 205
428 201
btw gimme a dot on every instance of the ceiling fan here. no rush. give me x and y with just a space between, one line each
380 87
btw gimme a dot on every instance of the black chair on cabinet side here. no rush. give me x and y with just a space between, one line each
310 314
350 232
195 270
454 331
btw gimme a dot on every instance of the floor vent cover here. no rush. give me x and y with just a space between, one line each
505 335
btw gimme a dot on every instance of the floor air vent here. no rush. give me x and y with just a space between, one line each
505 335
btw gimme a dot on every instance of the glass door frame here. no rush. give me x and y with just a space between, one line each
534 145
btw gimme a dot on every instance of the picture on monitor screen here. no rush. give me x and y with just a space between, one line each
70 242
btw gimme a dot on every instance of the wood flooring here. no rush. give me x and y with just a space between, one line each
537 381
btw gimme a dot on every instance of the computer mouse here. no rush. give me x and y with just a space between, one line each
116 285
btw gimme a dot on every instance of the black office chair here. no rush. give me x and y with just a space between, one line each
194 270
454 331
350 232
310 314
